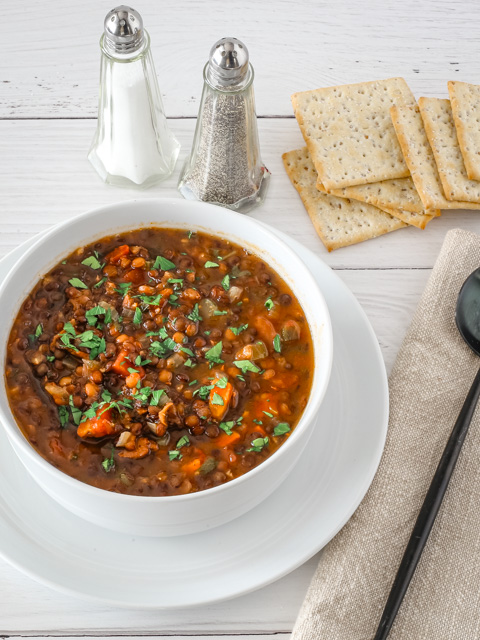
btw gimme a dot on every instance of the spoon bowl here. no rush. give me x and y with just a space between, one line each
467 315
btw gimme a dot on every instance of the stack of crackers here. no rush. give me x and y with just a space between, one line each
377 161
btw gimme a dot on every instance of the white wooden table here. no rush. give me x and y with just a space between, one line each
48 101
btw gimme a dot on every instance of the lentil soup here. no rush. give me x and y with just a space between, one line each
159 362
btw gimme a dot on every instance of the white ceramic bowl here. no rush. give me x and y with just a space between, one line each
169 515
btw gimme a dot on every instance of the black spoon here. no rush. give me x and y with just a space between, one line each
467 318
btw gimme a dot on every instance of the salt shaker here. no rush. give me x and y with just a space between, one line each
133 145
224 166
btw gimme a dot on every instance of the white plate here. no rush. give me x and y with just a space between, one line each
66 553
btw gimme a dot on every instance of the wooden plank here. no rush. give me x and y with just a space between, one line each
256 636
27 608
154 636
45 178
53 71
389 298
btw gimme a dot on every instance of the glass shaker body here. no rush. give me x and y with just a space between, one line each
224 166
133 145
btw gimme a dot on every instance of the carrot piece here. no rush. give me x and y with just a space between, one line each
123 363
190 467
224 440
220 410
99 426
137 276
265 328
229 335
117 254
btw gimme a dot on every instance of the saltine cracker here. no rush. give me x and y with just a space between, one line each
465 99
419 157
338 221
349 132
440 129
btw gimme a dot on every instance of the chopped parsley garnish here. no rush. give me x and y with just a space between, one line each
203 391
190 384
156 395
220 313
189 363
257 421
246 365
178 281
183 442
100 282
195 315
226 282
76 413
170 343
123 288
174 455
188 351
227 427
222 382
92 315
63 415
217 399
109 463
66 338
210 265
237 330
92 262
281 429
137 316
50 358
139 362
150 300
269 304
143 395
162 332
258 444
190 234
91 341
277 345
106 405
77 283
270 415
213 354
38 331
68 327
132 370
162 349
163 264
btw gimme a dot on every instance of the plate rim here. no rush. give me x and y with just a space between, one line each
301 559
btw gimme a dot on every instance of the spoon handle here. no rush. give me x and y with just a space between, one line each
429 510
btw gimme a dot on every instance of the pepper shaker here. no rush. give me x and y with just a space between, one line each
225 166
133 145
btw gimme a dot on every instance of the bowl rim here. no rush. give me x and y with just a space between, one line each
315 399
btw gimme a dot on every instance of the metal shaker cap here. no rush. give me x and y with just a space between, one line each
227 63
123 30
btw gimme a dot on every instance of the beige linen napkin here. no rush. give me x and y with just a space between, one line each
431 377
